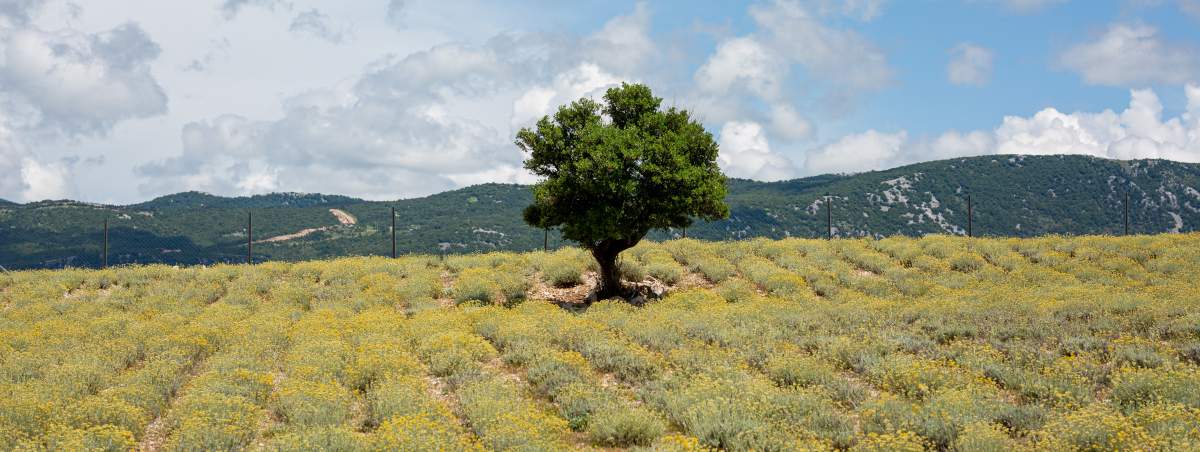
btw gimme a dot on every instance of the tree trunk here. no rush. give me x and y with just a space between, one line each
610 275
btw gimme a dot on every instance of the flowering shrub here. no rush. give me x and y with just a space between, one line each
946 343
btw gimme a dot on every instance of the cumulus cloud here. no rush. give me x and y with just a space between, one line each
856 152
746 153
840 56
63 85
389 129
969 64
18 12
745 80
1128 54
80 83
585 80
788 34
789 124
624 42
45 180
25 178
315 23
1138 132
744 63
408 125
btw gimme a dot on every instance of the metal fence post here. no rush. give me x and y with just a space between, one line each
1126 213
393 233
104 253
545 240
828 216
249 237
970 218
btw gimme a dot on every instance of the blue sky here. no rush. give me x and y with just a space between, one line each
123 100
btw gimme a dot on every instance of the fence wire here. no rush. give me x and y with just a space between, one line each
107 236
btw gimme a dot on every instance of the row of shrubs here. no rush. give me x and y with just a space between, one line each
101 356
495 406
565 377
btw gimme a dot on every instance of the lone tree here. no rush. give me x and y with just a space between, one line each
612 172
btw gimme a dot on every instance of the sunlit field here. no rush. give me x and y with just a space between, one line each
940 343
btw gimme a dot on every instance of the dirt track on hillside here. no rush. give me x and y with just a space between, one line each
342 217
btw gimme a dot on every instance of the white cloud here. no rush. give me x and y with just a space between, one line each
408 125
80 83
969 64
315 23
25 178
858 152
45 181
64 85
839 56
624 42
789 35
1138 132
746 78
746 153
743 63
952 143
1131 55
788 124
18 12
12 184
585 80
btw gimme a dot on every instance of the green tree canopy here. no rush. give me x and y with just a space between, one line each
611 172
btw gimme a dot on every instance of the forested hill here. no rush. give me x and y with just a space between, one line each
1012 195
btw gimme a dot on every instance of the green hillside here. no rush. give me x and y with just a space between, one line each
1013 196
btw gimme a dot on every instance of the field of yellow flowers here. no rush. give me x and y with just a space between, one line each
939 343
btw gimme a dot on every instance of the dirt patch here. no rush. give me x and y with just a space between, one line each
343 217
578 297
271 418
447 288
157 431
292 236
692 280
155 435
360 414
504 371
578 294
